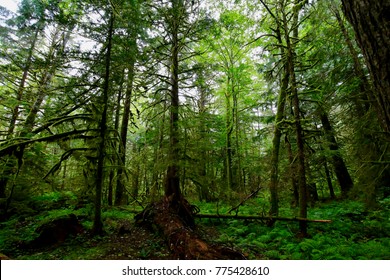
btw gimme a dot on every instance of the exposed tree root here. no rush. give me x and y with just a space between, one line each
175 221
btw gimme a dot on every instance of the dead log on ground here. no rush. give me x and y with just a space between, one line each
219 216
175 221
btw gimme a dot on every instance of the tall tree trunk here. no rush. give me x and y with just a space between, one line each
274 211
329 180
136 173
229 131
291 59
172 183
204 184
97 222
340 168
365 88
292 168
55 53
370 20
158 155
120 186
237 155
116 127
368 144
20 91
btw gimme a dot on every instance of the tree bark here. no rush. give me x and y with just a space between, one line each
370 20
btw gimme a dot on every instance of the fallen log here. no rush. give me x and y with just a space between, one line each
175 220
220 216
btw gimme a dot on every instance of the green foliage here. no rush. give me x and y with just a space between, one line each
353 234
53 200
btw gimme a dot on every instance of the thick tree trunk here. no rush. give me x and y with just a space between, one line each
370 20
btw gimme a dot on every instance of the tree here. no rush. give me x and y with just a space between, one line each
284 82
130 47
287 35
97 224
343 176
370 20
231 40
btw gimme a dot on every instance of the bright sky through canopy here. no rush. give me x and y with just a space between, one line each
11 5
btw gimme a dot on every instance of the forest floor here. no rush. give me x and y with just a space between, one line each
355 233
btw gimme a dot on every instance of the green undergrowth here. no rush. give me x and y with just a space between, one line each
19 230
354 233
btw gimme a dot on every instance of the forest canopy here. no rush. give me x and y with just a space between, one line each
276 105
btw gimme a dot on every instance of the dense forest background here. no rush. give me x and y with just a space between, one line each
275 112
